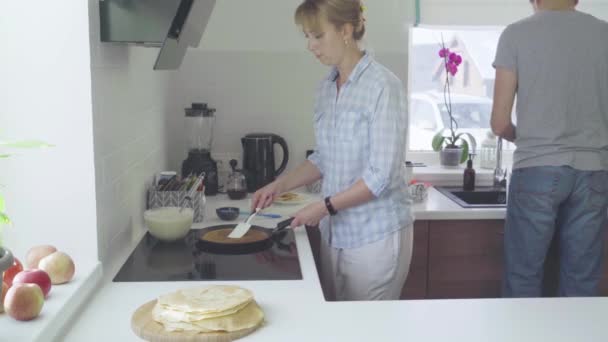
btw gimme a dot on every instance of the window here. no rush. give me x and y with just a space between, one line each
471 90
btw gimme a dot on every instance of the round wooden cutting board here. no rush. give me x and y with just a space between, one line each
147 328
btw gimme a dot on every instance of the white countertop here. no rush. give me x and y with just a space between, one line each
439 207
296 310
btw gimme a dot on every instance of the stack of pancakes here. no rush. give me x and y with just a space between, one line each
212 309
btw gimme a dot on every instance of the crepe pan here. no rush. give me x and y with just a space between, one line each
257 239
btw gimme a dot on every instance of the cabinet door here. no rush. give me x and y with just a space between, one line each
465 259
416 283
314 238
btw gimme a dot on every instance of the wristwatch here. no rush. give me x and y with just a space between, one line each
330 208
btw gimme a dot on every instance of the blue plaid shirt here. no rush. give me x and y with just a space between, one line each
361 134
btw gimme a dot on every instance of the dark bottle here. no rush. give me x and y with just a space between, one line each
468 182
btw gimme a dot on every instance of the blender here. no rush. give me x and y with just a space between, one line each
199 123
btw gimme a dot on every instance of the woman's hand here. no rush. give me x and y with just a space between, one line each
264 197
310 215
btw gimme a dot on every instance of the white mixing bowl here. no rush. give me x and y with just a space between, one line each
168 223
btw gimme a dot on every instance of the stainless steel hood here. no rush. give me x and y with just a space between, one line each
172 25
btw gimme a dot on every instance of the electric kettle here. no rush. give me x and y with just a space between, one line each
258 159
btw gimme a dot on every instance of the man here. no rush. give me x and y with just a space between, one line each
556 61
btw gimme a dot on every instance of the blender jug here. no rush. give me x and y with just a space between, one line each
199 122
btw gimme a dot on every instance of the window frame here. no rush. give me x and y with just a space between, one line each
431 158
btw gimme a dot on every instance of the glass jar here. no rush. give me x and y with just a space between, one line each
487 151
236 186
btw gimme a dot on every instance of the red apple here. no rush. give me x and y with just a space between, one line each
36 253
2 294
24 302
59 266
38 277
12 271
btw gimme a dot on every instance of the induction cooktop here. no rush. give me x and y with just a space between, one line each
186 259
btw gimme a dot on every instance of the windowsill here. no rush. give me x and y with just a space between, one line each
441 176
58 310
444 176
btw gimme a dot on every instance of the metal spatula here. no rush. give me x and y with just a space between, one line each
242 228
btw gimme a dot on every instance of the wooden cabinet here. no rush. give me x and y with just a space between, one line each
416 284
465 259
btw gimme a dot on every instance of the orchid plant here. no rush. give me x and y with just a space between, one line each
451 60
4 218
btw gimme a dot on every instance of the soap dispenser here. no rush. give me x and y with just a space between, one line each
468 182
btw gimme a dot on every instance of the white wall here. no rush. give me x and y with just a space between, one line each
129 117
253 66
45 93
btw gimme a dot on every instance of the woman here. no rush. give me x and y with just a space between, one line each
360 124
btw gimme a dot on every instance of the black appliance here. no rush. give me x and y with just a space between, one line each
172 25
258 159
199 123
183 260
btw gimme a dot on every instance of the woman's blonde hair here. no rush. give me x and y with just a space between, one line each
337 12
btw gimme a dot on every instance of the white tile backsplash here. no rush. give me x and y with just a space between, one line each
258 75
254 91
130 106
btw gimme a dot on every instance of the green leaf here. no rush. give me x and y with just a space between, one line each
2 204
4 219
25 144
472 141
438 140
465 151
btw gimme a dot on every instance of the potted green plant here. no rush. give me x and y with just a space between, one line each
453 147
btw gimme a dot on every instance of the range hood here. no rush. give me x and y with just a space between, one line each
172 25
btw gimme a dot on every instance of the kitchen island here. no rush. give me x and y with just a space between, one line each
296 310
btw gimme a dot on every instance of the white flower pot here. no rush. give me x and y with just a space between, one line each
450 156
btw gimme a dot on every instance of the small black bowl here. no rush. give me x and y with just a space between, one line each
227 213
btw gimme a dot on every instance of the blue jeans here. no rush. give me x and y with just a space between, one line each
548 200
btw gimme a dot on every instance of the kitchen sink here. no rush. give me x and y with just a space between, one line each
481 197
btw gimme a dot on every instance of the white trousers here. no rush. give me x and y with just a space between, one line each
376 271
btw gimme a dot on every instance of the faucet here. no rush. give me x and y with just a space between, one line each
500 175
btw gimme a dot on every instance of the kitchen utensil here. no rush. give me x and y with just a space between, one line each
242 228
236 187
256 240
227 213
144 326
268 215
199 124
192 191
169 223
258 159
